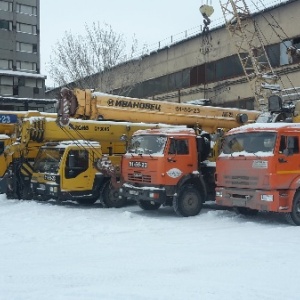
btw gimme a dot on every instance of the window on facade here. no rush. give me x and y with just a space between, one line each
4 5
185 78
26 9
6 80
210 71
179 80
25 47
5 64
228 67
273 52
26 28
4 24
21 81
296 44
33 82
6 90
26 66
197 75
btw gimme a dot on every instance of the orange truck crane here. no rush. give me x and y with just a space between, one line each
169 167
258 170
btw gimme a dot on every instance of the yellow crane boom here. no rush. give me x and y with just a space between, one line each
94 106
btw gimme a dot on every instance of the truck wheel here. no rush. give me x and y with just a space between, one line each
148 205
110 196
294 216
189 202
246 211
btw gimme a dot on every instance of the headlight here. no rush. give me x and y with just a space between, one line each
219 194
154 195
268 198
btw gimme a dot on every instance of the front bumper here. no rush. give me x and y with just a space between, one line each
136 193
45 190
262 200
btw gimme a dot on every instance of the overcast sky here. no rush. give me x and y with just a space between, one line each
149 21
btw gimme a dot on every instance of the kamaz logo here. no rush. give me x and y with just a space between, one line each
134 104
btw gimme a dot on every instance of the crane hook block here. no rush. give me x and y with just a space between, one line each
206 10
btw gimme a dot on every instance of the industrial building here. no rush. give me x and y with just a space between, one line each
206 65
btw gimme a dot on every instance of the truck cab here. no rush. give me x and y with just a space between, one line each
167 167
67 170
259 170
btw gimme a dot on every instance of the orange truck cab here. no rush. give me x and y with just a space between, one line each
169 167
259 170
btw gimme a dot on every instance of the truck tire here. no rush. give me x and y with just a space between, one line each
293 217
189 201
246 211
148 205
110 196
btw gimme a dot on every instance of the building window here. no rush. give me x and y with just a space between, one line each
26 66
5 64
25 47
6 90
4 5
26 28
6 80
33 82
26 9
296 44
178 80
7 25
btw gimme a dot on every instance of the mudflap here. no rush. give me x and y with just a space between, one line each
3 185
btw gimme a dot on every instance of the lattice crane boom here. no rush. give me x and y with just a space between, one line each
250 50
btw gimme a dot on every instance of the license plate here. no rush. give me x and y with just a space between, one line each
138 164
131 192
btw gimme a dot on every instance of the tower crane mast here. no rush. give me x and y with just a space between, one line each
251 51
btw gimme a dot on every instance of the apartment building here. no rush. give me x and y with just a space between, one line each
20 49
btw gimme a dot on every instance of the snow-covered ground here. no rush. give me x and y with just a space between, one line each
66 251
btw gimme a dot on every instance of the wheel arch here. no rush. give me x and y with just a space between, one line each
194 180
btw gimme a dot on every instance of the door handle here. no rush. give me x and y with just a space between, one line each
282 160
171 159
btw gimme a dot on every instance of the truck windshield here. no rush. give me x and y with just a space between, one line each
254 142
147 144
48 160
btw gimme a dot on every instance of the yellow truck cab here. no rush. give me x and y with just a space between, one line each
67 170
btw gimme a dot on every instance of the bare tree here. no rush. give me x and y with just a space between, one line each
87 60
